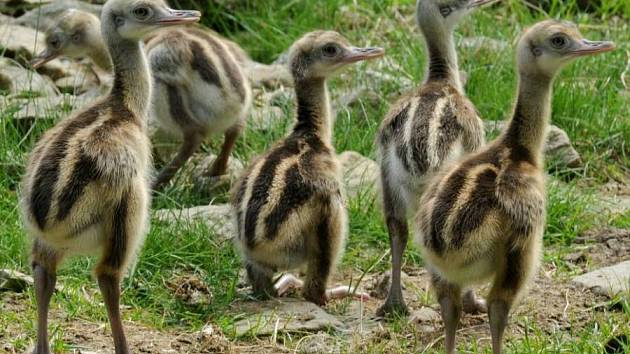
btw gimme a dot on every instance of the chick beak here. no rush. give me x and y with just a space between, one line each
359 54
177 17
43 58
587 47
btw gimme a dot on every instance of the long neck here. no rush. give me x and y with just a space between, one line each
313 112
442 55
132 82
100 56
527 130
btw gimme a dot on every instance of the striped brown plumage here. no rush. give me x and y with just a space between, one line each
482 219
289 207
86 187
425 130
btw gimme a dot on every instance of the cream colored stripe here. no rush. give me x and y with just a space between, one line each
435 126
408 133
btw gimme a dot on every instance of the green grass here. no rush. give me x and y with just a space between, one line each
589 103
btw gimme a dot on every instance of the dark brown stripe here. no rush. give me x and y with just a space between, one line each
513 277
420 131
324 240
442 208
203 65
85 171
161 63
396 125
514 137
229 66
237 203
117 248
438 66
473 213
48 171
295 194
260 190
449 132
176 107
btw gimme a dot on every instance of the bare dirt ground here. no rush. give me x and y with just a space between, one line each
553 303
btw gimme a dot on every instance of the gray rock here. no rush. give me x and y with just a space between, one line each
14 79
558 147
484 43
4 19
320 343
282 97
217 217
357 96
204 183
608 281
39 107
265 117
18 6
19 42
77 81
12 280
45 17
425 315
283 316
360 174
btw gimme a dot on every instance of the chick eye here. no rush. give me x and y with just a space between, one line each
445 10
330 50
54 42
76 37
558 42
141 12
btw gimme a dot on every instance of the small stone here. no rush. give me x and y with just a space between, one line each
575 258
19 6
425 315
77 82
38 108
217 217
206 184
14 281
19 42
608 281
318 343
266 117
14 79
46 16
356 97
190 289
558 147
283 316
360 174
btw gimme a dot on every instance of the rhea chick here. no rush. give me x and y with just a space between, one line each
483 219
424 130
86 185
289 205
200 85
77 35
202 82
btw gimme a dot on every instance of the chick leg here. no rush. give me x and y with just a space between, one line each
395 216
44 266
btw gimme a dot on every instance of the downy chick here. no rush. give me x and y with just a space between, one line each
289 205
423 131
86 188
483 218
